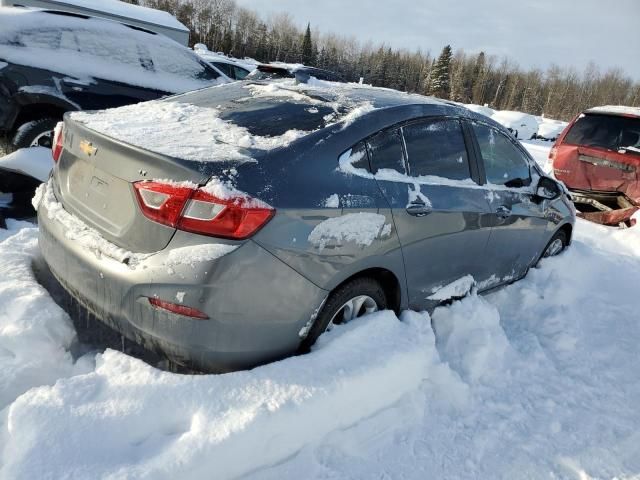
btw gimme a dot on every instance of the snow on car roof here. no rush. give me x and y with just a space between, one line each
228 122
616 110
127 10
99 48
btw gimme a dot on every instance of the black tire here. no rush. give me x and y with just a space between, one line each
336 301
552 252
28 132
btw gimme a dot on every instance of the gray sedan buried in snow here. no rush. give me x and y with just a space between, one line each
232 226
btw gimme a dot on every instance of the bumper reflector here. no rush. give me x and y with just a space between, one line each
178 309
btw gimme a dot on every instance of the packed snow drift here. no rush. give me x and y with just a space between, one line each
537 380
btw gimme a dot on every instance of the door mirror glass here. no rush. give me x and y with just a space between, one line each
548 188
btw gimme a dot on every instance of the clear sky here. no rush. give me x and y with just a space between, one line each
531 32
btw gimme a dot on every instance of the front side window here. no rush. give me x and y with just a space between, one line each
240 73
504 163
224 68
385 151
436 147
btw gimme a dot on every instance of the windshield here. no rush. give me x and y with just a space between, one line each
264 72
611 132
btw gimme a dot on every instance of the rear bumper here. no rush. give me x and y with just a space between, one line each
256 304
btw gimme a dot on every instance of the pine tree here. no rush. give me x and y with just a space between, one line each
307 48
439 82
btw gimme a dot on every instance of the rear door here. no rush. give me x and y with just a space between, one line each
441 216
517 216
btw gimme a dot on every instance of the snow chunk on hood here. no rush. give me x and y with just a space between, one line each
362 228
181 130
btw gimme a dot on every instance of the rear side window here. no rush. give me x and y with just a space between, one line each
385 151
504 163
436 147
605 131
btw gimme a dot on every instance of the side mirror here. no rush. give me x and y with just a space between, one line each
548 188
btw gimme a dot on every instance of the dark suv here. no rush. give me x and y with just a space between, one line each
52 62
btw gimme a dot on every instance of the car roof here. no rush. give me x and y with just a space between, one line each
620 110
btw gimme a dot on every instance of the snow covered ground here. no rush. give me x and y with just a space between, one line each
537 380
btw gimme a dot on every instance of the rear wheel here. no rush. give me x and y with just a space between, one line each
352 300
556 245
36 133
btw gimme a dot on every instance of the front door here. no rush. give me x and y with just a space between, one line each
518 219
440 213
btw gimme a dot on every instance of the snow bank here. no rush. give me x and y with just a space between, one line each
36 162
181 130
523 125
127 419
35 334
361 228
549 129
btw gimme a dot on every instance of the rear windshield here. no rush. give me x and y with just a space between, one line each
269 109
605 131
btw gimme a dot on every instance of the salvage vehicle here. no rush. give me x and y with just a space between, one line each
302 73
291 209
53 62
598 159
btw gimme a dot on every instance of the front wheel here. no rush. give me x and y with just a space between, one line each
352 300
556 245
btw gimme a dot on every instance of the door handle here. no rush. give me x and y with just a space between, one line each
418 209
503 212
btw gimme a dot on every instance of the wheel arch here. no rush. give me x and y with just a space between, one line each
568 230
387 279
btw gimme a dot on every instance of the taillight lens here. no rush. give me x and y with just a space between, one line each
161 202
58 140
198 211
552 153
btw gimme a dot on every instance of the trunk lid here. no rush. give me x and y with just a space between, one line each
94 181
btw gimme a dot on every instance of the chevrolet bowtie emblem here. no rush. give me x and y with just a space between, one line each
88 148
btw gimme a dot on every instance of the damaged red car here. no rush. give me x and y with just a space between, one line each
598 158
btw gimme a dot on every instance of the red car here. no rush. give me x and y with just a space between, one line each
598 158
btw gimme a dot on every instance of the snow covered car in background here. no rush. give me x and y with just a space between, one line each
52 62
549 129
598 159
232 68
522 125
294 207
301 73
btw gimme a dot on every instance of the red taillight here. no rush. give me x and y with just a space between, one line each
198 211
161 202
178 309
58 140
552 153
